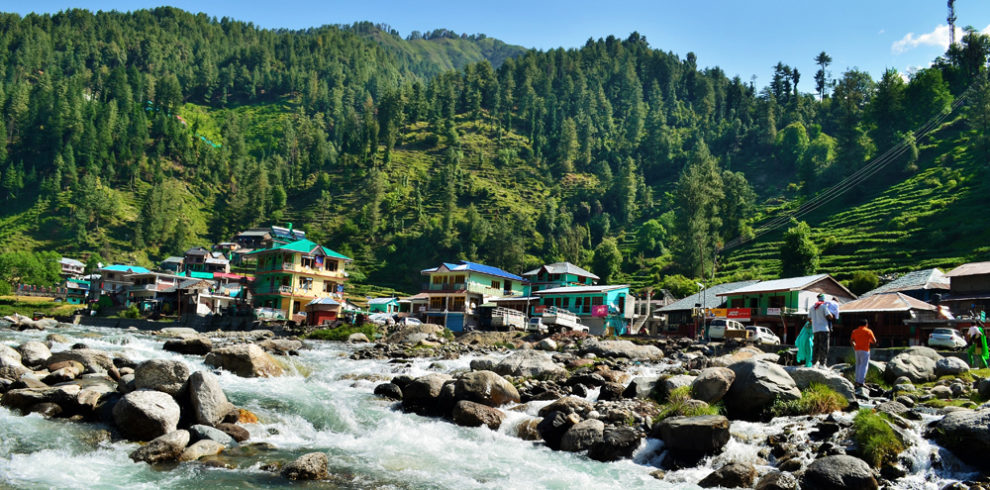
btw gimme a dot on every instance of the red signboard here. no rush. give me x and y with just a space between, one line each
539 309
599 311
737 313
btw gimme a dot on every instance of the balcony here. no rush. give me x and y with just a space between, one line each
445 287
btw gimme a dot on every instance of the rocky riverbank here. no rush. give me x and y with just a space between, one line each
672 406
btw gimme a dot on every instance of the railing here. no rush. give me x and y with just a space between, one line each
143 287
446 287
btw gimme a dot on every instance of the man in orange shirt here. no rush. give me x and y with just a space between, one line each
861 338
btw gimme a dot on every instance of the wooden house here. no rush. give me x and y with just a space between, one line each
455 290
969 289
684 316
894 317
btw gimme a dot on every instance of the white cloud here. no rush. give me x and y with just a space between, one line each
938 37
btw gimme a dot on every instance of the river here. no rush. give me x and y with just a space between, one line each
326 404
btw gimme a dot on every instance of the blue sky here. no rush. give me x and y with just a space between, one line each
743 37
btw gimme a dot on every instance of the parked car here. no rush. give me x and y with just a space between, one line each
380 318
763 335
948 338
536 325
717 328
409 321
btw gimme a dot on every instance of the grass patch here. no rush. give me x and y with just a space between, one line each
816 399
28 305
678 406
342 332
878 443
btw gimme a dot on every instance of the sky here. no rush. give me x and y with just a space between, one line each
743 37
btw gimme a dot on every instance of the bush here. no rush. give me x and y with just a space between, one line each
342 332
816 399
131 312
878 443
677 406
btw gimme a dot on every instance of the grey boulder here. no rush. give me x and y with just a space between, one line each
950 366
34 353
485 387
209 403
838 473
144 415
757 386
530 364
712 384
162 375
805 376
167 447
312 466
917 368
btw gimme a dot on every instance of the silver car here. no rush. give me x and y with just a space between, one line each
948 338
763 335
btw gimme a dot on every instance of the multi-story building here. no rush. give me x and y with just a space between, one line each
598 307
455 291
290 276
71 267
557 275
199 259
115 278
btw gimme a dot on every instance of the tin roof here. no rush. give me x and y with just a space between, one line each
304 246
72 262
323 301
923 279
581 289
381 301
885 302
126 268
474 267
970 269
561 268
785 284
709 299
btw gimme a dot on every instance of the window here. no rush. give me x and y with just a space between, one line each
597 301
458 304
496 284
329 287
777 301
737 303
330 265
508 285
437 279
458 279
306 283
436 303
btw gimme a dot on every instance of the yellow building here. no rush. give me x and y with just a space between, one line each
287 277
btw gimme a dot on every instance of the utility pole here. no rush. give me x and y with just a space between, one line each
952 22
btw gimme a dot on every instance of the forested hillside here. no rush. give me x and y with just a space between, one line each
130 137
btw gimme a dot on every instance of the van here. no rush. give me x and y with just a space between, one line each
536 325
718 326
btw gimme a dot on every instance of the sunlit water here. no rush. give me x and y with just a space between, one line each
327 404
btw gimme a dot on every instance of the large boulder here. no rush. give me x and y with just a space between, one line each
712 384
312 466
583 435
617 443
423 393
530 364
920 350
164 448
919 368
757 386
209 403
554 425
9 354
471 414
668 384
950 366
34 353
281 346
967 434
192 344
410 334
742 354
485 387
732 475
199 432
778 480
10 364
245 360
641 387
838 473
163 375
568 405
805 376
691 438
144 415
24 398
621 348
201 449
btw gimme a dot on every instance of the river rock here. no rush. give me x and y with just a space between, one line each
11 368
388 390
163 375
732 475
668 384
471 414
209 403
617 443
357 338
199 432
967 434
422 394
546 344
742 354
918 368
167 447
611 392
46 410
402 336
805 376
530 364
236 432
838 473
24 398
94 361
621 348
312 466
641 387
553 427
950 366
145 414
282 346
712 384
244 360
691 438
201 449
568 405
778 480
582 435
194 344
920 350
34 353
29 380
483 364
757 386
485 387
941 392
178 332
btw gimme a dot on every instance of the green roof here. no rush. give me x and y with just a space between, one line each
303 246
199 275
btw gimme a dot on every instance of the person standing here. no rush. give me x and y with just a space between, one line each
833 313
805 345
861 338
819 325
978 353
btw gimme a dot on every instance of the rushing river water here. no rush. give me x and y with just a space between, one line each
327 405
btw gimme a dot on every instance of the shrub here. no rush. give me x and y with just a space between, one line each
878 443
677 406
816 399
342 332
131 312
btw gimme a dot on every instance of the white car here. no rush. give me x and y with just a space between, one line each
949 338
763 335
409 321
717 328
536 325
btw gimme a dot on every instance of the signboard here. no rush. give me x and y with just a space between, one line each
738 313
773 311
599 311
717 312
539 309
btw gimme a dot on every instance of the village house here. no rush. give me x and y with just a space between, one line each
76 291
383 305
171 264
71 267
782 305
244 243
146 288
114 278
926 285
598 307
684 316
199 259
414 306
455 291
558 274
290 276
895 318
969 289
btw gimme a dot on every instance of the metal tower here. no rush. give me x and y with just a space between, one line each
952 22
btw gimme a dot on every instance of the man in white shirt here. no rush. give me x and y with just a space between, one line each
818 316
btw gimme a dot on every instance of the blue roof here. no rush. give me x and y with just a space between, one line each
475 267
126 268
